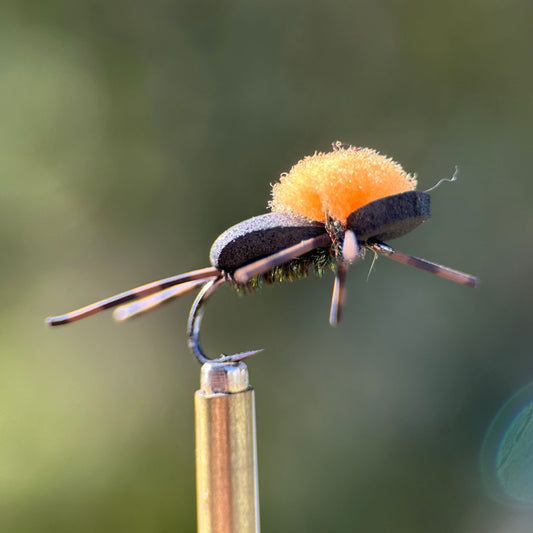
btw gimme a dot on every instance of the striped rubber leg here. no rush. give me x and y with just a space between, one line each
443 272
133 294
149 303
339 294
247 272
350 253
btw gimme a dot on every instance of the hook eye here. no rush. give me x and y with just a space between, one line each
195 320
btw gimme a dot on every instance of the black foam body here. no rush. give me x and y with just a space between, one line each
259 237
390 217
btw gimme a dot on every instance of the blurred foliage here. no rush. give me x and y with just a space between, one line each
132 134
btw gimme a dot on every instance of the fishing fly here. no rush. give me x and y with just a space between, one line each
325 213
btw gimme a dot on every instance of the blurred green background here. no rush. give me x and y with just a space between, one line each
132 134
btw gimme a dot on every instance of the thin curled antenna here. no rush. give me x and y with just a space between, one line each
453 178
195 320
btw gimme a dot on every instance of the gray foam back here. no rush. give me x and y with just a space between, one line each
259 237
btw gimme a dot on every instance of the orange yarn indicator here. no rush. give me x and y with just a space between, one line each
337 183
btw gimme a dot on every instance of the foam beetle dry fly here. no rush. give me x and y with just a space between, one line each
325 212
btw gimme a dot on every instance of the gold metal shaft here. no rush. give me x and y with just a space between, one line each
226 453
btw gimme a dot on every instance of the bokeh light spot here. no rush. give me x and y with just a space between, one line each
507 451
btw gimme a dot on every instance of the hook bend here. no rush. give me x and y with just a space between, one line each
195 320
